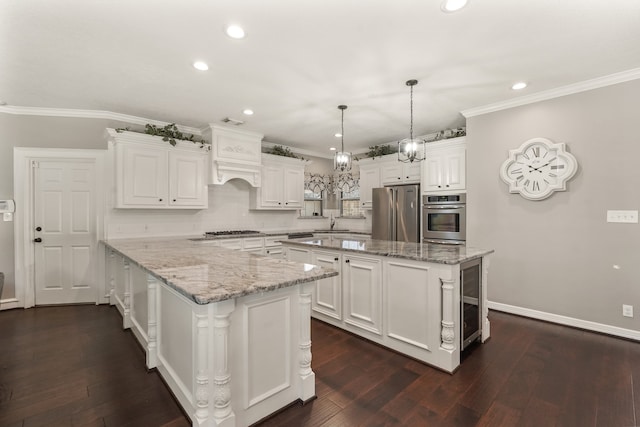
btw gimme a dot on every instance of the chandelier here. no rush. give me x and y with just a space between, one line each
342 159
411 149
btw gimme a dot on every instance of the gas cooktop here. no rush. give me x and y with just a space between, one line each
230 232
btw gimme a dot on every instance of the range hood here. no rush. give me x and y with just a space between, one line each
234 154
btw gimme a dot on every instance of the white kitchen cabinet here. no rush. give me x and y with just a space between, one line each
362 288
272 246
394 172
444 169
150 173
282 184
327 296
369 179
253 244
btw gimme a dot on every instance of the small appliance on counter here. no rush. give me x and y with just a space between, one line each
444 219
396 213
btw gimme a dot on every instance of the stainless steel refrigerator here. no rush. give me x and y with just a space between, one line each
396 213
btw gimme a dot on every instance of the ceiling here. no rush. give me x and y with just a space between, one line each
302 58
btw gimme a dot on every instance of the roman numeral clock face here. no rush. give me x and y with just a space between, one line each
538 168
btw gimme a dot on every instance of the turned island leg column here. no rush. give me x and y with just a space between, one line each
152 322
448 324
126 310
307 376
486 326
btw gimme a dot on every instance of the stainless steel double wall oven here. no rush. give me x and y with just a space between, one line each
444 219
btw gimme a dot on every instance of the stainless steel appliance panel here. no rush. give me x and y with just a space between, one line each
396 213
444 218
384 214
408 213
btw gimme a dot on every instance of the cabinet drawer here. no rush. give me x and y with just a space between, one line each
253 243
274 241
231 243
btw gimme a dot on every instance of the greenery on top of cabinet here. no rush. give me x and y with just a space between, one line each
279 150
381 150
169 133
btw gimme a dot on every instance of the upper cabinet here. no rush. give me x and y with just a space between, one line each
369 179
150 173
234 154
444 169
394 172
282 184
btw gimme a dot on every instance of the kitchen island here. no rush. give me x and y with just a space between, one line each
229 331
402 295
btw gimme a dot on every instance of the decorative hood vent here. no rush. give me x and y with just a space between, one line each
234 154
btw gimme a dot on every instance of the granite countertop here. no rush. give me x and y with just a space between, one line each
208 274
277 233
428 252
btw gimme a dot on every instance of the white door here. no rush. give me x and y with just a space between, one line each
65 222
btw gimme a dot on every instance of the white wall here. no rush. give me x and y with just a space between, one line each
557 255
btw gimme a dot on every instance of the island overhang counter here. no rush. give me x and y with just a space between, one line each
229 331
410 297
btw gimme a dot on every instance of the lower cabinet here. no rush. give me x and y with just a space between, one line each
327 296
362 288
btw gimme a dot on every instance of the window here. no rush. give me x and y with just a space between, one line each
312 204
350 204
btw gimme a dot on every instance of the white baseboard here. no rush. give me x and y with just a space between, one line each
567 321
6 304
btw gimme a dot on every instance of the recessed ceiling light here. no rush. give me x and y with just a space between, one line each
338 135
199 65
453 5
235 32
247 112
519 86
332 148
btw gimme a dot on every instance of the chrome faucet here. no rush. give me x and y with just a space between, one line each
332 223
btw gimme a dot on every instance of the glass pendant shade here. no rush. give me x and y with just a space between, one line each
342 159
411 149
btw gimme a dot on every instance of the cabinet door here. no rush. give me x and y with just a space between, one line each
297 254
392 173
271 192
144 176
412 172
327 295
274 252
293 188
433 173
362 284
454 169
187 173
369 179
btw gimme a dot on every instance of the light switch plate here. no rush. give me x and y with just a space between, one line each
7 216
622 216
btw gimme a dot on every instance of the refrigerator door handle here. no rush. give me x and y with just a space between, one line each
394 212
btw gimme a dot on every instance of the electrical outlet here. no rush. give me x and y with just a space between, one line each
623 216
627 310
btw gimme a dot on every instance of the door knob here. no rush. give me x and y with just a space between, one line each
38 228
37 240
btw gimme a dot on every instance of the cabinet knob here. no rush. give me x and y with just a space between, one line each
286 203
407 177
398 177
335 259
347 261
37 240
447 185
160 200
439 186
38 228
174 200
279 203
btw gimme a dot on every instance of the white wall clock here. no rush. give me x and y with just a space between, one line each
538 168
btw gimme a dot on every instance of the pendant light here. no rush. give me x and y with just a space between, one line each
411 149
342 159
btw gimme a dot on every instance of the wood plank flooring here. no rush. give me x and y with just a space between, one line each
74 366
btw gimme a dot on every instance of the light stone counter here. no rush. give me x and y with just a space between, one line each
206 274
229 331
428 252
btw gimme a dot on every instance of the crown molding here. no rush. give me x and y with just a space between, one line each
91 114
621 77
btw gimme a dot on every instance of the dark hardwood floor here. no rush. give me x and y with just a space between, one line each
74 366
